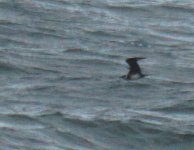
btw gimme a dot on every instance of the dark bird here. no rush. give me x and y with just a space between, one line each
134 69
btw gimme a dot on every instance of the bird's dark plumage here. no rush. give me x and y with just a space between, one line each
134 67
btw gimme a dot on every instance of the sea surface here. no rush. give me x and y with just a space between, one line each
60 68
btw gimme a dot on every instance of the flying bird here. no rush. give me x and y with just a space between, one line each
134 68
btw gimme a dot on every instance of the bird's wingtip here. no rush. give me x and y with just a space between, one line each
134 59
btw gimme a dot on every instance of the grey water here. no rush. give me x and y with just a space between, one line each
60 68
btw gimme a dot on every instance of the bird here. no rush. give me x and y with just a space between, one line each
134 68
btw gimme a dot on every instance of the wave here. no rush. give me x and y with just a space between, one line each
104 33
136 130
19 121
7 66
181 6
78 132
90 55
97 132
185 106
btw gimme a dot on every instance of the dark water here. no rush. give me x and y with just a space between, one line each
60 68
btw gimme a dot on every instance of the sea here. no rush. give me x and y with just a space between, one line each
61 63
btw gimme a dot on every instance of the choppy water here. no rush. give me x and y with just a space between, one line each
60 68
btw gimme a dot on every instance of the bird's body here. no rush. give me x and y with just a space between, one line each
134 68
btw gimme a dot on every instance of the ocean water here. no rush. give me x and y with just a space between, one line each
60 68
